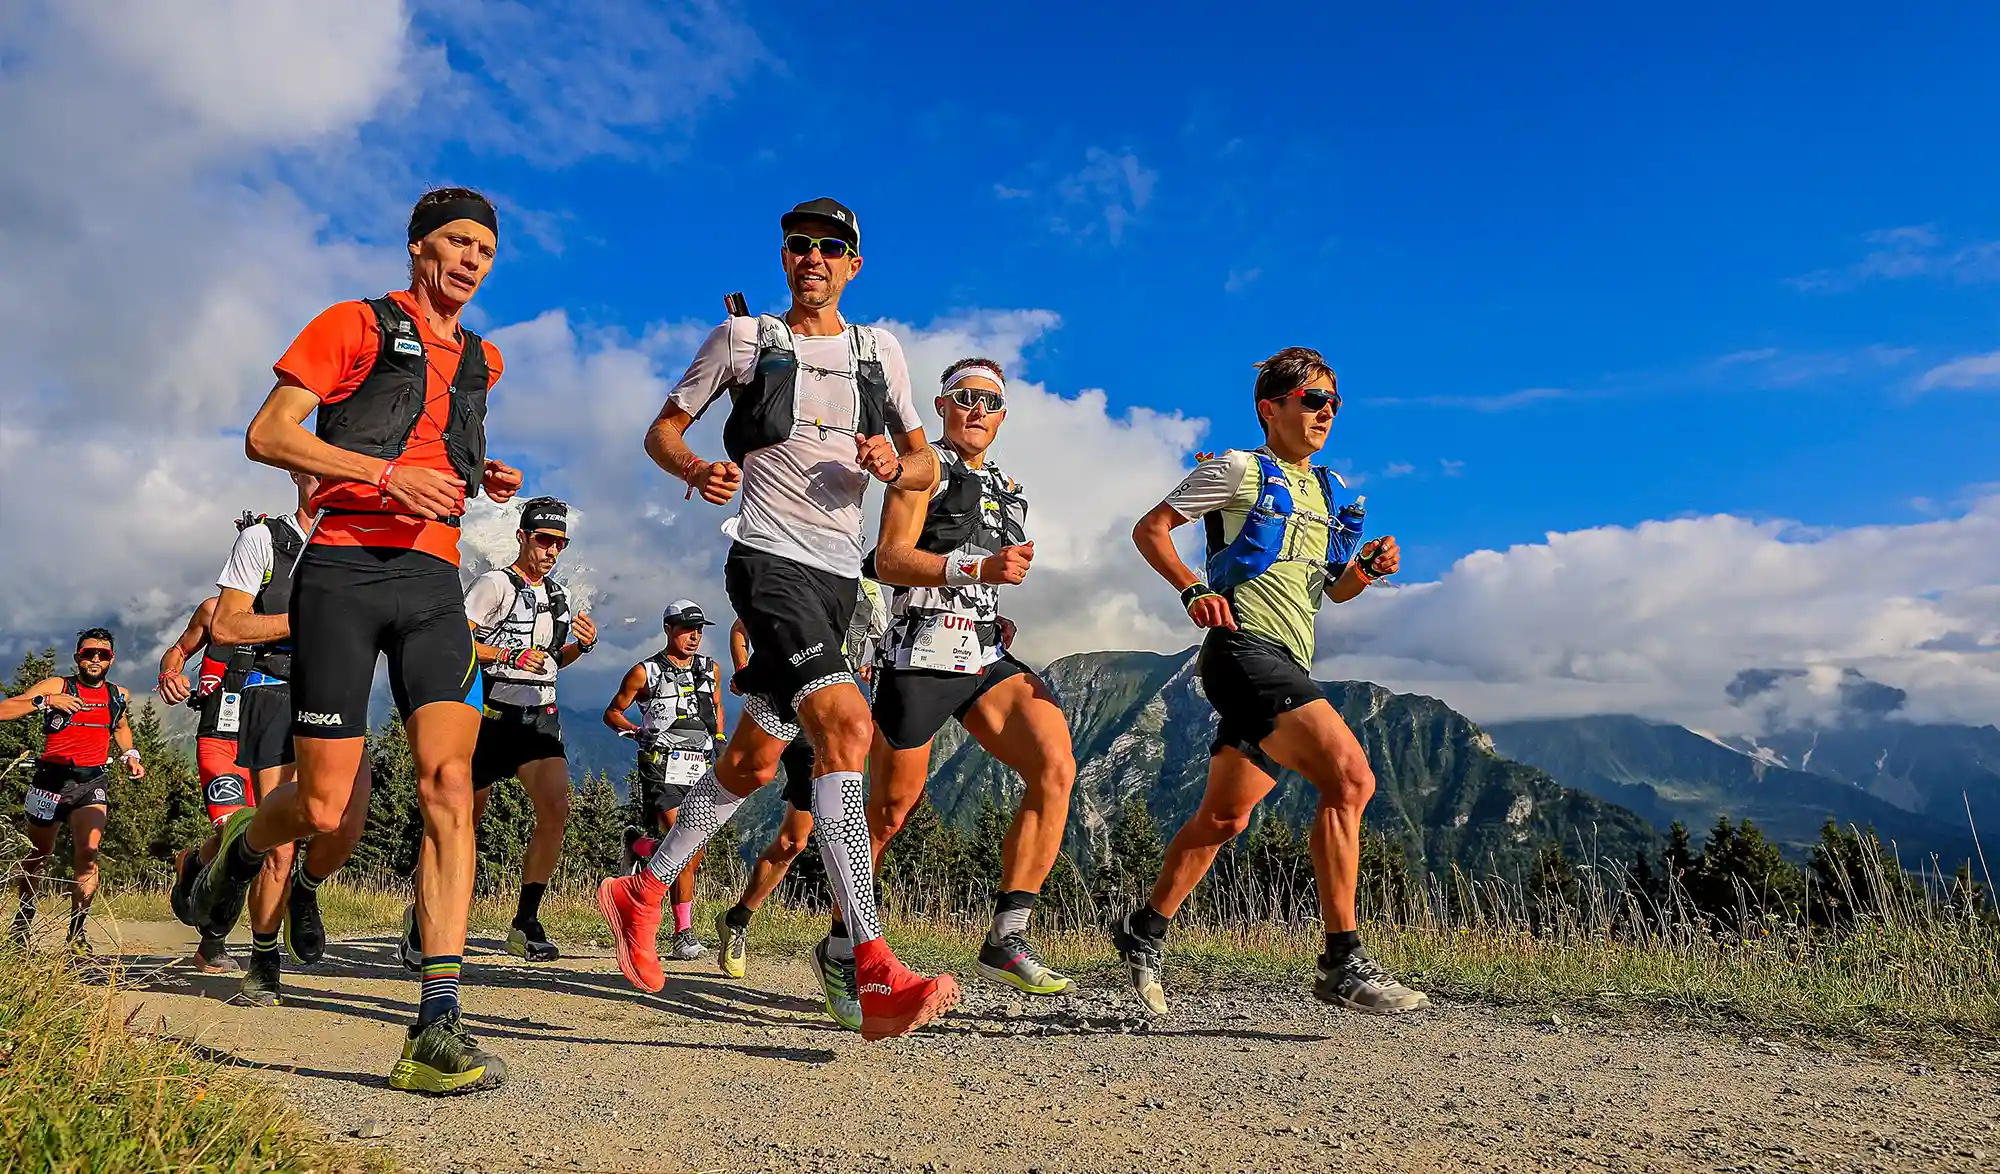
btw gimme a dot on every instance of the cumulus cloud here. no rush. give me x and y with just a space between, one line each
1663 618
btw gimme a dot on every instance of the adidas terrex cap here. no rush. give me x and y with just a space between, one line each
545 515
830 210
684 613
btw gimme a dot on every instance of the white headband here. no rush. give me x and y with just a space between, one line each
968 372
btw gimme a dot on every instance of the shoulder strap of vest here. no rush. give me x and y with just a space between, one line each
114 699
861 344
472 373
774 334
286 541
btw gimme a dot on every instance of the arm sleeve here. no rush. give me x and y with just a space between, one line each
896 369
485 601
334 353
1209 486
249 561
727 356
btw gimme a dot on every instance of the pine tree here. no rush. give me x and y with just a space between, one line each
1132 857
594 838
136 824
1384 891
925 863
984 857
387 851
21 740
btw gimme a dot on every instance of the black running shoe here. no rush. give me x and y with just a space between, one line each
261 979
531 942
216 901
186 866
212 957
1144 958
442 1059
305 935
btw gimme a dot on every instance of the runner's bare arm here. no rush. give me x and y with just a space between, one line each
1351 582
666 443
174 687
123 736
1154 536
628 692
277 436
532 659
236 623
22 704
920 468
720 732
739 646
586 633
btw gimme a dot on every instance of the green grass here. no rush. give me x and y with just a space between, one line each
1911 982
81 1094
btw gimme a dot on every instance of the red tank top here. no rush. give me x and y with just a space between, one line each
84 737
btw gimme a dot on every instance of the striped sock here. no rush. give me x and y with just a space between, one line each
264 946
305 879
440 997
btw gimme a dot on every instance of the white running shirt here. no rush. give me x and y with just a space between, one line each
801 499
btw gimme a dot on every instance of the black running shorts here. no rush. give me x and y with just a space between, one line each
657 795
351 603
510 737
1250 681
266 737
797 619
58 789
797 766
912 705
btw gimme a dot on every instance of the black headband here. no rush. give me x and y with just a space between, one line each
431 217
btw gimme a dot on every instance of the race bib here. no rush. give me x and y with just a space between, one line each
685 767
229 716
945 642
42 804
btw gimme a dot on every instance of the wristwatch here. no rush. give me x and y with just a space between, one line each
40 700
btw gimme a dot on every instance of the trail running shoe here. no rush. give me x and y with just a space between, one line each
410 947
212 957
732 946
687 945
1144 959
215 900
1013 963
442 1059
638 851
634 916
531 942
836 982
260 980
896 1000
305 934
187 864
1359 982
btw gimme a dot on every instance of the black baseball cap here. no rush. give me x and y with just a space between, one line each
846 227
545 515
684 613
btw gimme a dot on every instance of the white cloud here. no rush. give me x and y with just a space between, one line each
1971 371
1658 619
1109 192
1917 250
1399 469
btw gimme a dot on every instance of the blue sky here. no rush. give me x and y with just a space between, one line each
1456 208
1668 340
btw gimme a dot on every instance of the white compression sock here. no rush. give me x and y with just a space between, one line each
840 816
704 811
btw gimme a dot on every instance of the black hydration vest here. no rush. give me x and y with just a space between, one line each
763 411
274 598
379 417
516 628
965 516
235 669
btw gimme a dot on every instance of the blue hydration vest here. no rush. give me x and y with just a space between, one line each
1262 538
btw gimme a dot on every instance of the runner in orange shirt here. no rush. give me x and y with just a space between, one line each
400 441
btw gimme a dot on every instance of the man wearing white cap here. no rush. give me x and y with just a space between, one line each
678 692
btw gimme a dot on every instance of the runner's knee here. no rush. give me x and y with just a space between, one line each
323 812
844 735
1350 782
786 848
551 807
1221 824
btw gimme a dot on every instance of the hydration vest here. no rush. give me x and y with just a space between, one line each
973 512
516 627
54 722
379 417
763 411
1261 542
671 696
274 598
236 663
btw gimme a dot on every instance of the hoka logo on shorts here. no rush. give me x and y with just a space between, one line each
799 658
308 717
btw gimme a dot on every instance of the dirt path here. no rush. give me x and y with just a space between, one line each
713 1075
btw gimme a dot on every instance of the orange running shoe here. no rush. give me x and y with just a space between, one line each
632 906
896 1000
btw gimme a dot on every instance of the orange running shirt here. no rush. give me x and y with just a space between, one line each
330 358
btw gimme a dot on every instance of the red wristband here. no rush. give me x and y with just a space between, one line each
382 481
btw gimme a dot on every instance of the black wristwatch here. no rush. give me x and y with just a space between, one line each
899 472
39 701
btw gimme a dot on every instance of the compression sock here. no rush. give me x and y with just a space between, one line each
77 916
1011 911
440 993
1150 922
840 817
704 811
683 915
528 910
1341 944
738 917
244 862
838 944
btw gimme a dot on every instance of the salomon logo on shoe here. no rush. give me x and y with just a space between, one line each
308 717
877 988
